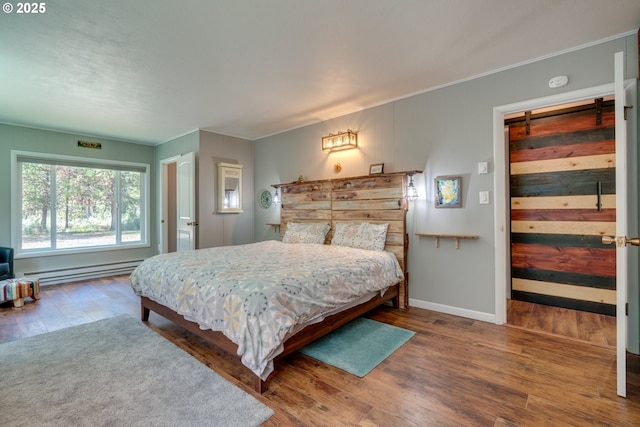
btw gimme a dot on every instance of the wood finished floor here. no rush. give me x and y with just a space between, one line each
453 372
578 325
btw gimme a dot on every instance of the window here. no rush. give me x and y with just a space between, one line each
66 203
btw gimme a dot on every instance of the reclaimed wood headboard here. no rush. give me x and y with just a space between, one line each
372 198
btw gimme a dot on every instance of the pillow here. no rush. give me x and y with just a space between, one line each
360 235
305 232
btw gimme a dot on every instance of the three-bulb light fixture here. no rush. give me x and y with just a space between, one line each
340 141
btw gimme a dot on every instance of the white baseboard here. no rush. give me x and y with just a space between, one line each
456 311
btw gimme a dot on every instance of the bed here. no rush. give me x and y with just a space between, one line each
342 252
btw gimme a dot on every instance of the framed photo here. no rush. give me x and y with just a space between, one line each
448 191
376 169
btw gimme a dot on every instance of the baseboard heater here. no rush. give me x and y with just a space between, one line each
74 274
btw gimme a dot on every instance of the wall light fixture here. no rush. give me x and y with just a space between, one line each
340 141
412 191
276 197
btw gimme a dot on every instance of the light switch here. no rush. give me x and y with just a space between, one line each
484 197
483 167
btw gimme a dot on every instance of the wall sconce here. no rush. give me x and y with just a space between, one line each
412 191
276 197
340 141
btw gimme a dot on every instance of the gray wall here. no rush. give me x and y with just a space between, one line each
214 229
232 228
43 141
443 132
177 147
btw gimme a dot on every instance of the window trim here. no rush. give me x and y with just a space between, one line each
16 203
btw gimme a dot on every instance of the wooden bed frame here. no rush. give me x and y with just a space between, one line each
376 198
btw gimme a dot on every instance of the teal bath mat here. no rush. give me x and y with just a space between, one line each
359 346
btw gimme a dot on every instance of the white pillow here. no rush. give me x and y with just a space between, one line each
360 235
305 232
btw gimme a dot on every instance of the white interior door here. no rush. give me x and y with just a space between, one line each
186 205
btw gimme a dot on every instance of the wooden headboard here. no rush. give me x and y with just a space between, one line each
372 198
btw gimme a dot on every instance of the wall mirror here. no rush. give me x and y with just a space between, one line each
229 188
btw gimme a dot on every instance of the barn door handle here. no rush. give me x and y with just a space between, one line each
620 241
607 240
599 203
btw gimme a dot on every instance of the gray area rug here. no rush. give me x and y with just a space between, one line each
115 372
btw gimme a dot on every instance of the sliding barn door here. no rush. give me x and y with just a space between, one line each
562 182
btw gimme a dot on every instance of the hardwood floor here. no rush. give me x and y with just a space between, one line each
453 372
592 328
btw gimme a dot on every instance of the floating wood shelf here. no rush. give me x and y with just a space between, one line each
456 237
275 225
409 172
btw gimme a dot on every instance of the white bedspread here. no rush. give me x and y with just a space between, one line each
257 294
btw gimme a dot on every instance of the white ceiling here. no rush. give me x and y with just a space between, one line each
150 71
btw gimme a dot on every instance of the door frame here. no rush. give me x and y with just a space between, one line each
502 227
162 203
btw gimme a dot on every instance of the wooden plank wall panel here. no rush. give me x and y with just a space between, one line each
556 250
375 199
354 200
563 215
565 202
599 161
577 143
569 227
568 259
305 202
583 182
551 126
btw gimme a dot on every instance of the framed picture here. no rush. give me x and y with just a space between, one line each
448 191
376 168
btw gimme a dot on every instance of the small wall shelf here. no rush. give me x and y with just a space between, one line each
456 237
276 226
